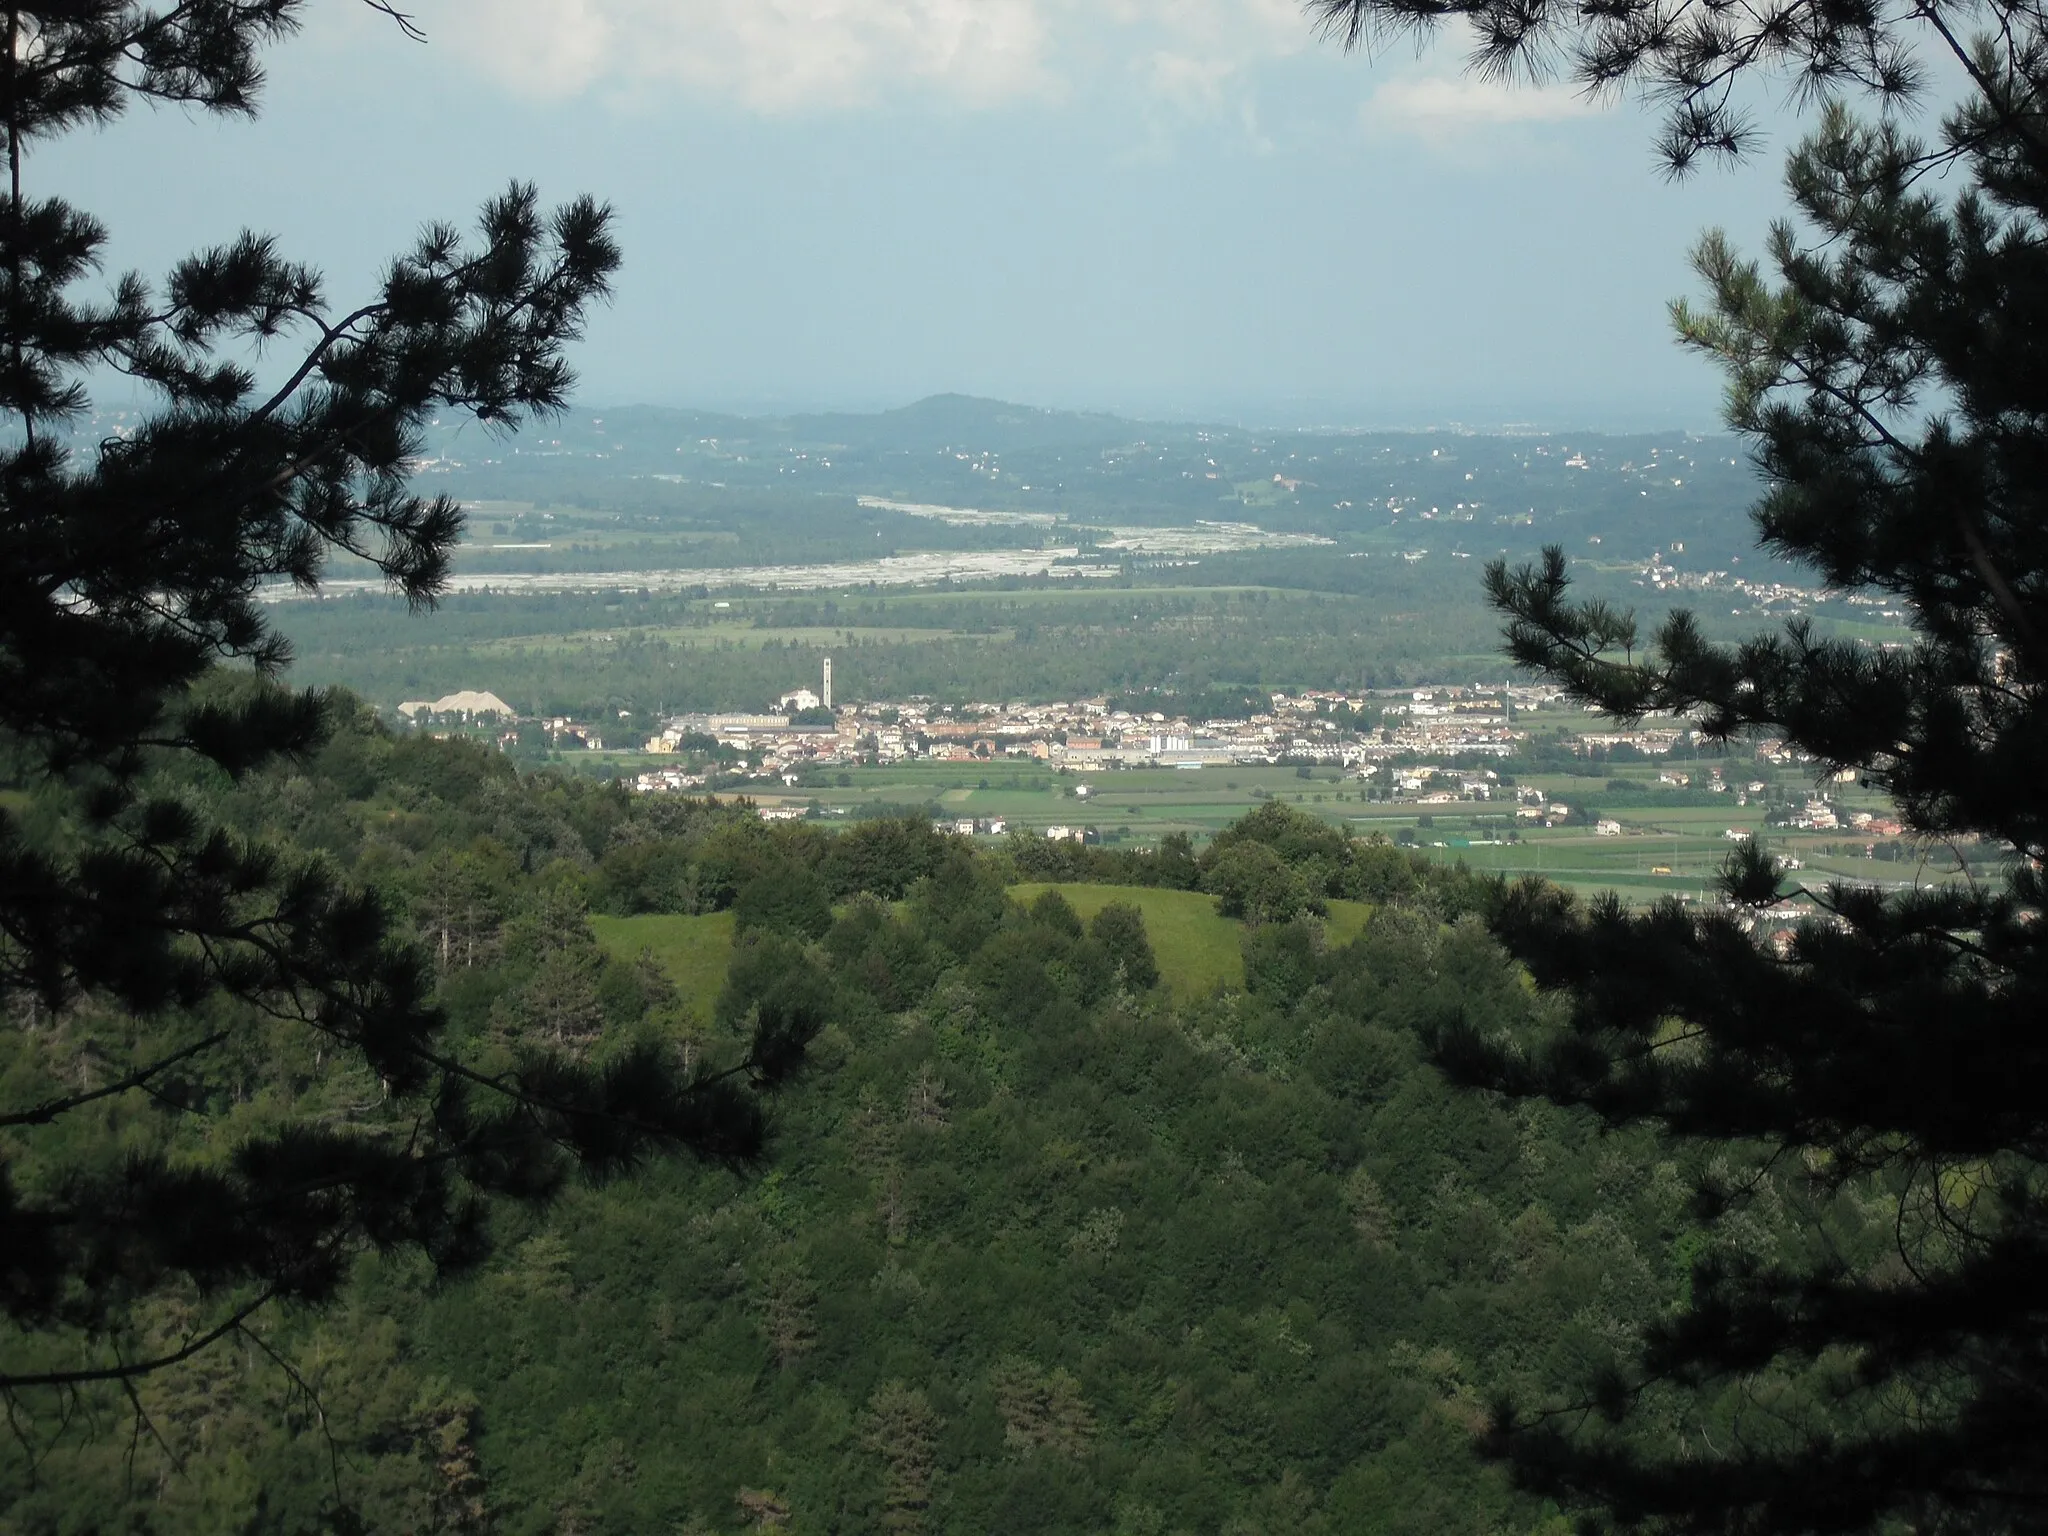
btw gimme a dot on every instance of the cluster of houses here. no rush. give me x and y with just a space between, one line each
1377 735
1821 816
1314 727
1773 597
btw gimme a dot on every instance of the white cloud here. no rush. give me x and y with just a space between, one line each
1187 81
799 56
1449 109
770 56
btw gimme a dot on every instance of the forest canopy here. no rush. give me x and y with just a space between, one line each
1043 1245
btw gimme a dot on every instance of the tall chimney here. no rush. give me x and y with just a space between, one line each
828 682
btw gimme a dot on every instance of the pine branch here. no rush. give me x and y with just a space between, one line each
129 1372
50 1109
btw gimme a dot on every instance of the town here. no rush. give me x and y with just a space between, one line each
1427 748
1358 731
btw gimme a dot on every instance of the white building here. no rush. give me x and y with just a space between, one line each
467 702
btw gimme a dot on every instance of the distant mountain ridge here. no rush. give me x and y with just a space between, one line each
1625 498
932 424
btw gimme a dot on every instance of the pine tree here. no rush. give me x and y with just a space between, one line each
927 1100
900 1428
1041 1410
559 1004
1120 928
457 909
787 1305
1890 370
136 657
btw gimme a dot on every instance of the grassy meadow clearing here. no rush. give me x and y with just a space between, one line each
693 950
1197 949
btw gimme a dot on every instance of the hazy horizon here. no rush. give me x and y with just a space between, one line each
1278 415
1173 212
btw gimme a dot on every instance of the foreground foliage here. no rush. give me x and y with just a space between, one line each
1888 373
150 950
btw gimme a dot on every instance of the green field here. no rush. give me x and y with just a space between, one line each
732 636
1195 947
693 950
1665 846
1670 843
1136 804
1346 920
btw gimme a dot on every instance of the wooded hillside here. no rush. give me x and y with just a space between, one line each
1042 1242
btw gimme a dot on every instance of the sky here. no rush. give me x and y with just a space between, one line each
1187 209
